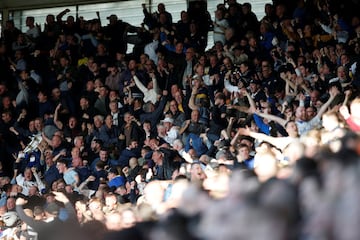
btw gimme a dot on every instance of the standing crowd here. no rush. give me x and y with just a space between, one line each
253 138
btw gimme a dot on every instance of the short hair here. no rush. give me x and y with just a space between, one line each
104 149
147 121
62 160
147 107
178 142
242 145
286 124
100 117
30 18
77 138
44 92
221 96
146 148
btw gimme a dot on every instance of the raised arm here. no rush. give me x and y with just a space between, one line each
289 85
57 122
333 92
59 196
192 104
154 80
36 225
39 183
139 84
244 92
277 142
271 117
230 126
347 97
184 127
61 14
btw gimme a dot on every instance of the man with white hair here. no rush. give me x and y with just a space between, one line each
172 132
178 145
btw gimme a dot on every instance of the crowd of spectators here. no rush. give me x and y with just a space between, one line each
253 138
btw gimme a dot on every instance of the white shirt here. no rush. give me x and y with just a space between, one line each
172 135
149 94
219 30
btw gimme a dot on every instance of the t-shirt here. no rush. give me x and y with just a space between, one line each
70 176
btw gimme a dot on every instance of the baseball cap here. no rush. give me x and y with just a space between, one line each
167 120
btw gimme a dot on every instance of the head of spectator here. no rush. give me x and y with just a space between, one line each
76 159
190 54
247 141
266 69
56 141
243 152
343 75
96 145
195 116
113 19
158 157
227 64
178 96
90 86
168 123
330 121
311 112
133 144
149 107
103 155
111 202
161 130
132 66
229 34
300 113
3 88
161 8
133 163
62 166
39 213
254 86
7 117
42 96
103 91
128 118
72 123
101 50
30 21
154 193
220 99
179 48
196 172
95 207
98 121
289 113
6 102
10 204
55 94
79 142
109 121
265 166
34 191
173 107
291 129
112 173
